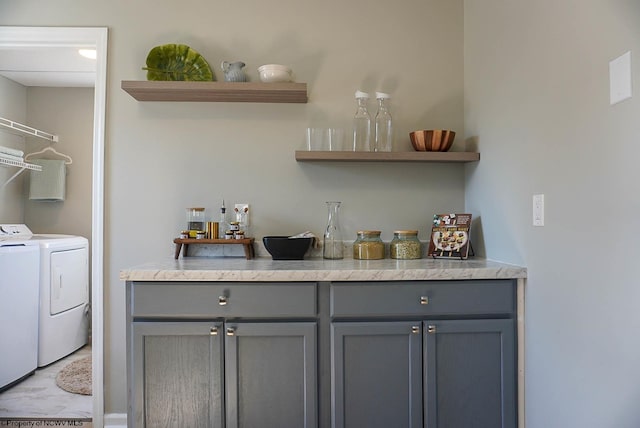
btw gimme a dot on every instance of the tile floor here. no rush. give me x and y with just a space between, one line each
39 396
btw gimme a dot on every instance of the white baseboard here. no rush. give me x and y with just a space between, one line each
115 420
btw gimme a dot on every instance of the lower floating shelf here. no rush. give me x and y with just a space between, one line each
246 242
344 156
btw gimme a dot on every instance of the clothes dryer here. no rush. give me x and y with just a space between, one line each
63 324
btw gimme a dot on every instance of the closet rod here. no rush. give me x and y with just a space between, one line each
27 130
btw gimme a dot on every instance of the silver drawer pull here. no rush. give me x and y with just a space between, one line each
431 329
415 329
424 300
213 331
222 300
231 331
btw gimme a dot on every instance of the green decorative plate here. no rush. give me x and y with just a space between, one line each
177 62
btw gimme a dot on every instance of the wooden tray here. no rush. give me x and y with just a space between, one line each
246 242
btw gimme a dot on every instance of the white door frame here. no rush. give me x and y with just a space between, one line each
90 37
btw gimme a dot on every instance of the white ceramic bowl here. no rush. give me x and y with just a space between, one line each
271 73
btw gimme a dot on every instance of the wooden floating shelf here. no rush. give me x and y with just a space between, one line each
317 156
242 92
247 243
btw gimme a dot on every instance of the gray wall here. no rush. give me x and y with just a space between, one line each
537 104
13 106
68 113
164 157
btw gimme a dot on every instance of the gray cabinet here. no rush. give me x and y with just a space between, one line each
377 374
414 354
469 374
423 354
251 367
176 375
270 373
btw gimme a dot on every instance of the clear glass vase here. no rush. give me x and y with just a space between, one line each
333 245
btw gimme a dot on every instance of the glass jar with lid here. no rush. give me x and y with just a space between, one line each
195 220
368 245
405 245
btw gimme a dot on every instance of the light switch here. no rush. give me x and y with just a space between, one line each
620 78
538 210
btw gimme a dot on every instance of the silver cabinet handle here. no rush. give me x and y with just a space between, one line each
415 329
231 331
431 329
424 300
222 300
213 331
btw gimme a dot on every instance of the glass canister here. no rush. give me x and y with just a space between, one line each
405 245
195 220
368 245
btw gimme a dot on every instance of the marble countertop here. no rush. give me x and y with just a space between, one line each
318 269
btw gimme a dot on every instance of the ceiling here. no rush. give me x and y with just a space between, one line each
50 66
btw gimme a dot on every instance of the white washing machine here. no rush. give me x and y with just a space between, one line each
63 325
19 288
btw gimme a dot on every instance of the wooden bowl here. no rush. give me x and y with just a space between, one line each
432 140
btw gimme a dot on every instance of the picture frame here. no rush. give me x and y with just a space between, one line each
450 236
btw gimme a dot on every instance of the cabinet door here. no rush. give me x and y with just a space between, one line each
376 370
176 375
271 375
469 374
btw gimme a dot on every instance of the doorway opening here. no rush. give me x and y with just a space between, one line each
15 38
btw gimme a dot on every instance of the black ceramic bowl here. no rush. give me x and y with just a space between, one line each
285 248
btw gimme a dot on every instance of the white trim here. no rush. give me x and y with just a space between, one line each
115 420
94 37
97 226
50 36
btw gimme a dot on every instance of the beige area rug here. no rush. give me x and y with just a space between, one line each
75 377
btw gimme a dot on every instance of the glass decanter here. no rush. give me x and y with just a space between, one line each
333 245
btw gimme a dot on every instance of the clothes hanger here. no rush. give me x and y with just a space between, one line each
67 158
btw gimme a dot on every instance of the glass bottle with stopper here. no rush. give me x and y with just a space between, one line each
383 127
362 124
222 223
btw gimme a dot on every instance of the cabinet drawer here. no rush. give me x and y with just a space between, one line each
423 298
207 300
